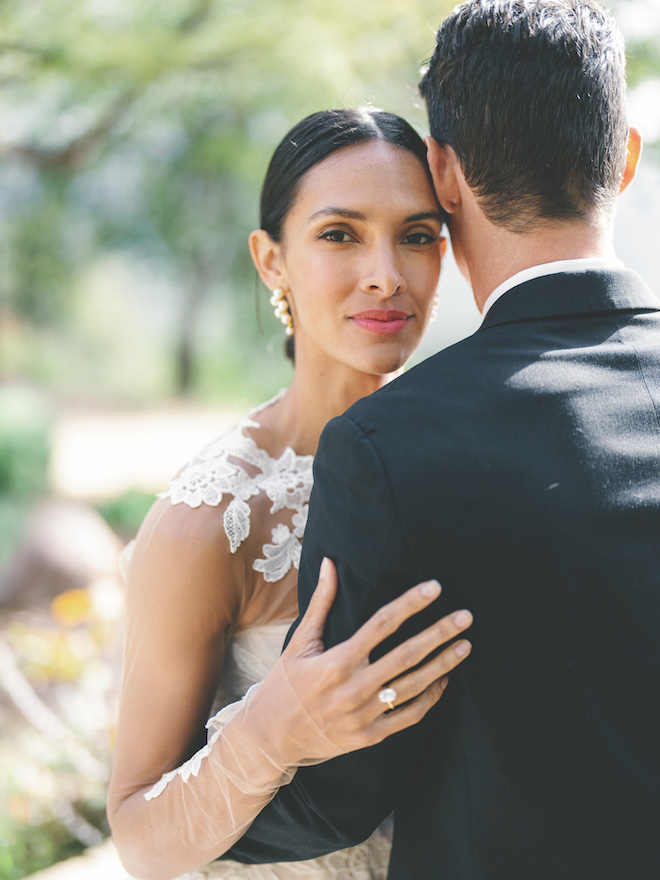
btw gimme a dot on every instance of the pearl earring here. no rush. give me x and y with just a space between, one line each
434 308
279 301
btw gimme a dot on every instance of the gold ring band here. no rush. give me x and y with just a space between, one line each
387 696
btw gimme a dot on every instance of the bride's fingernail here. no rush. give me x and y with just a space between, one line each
462 618
325 565
462 648
430 590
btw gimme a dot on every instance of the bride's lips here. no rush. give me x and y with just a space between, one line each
385 322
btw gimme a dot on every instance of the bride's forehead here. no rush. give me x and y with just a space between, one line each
375 156
375 167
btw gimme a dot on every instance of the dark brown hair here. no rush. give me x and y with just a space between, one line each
531 97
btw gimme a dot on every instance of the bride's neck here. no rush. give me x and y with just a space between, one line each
309 403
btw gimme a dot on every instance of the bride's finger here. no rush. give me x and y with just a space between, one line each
412 713
407 687
414 650
387 723
389 618
310 628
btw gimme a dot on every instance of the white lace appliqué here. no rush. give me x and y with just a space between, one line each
219 469
193 765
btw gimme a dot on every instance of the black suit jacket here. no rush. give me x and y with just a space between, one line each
521 468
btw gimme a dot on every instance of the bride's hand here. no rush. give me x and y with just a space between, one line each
325 703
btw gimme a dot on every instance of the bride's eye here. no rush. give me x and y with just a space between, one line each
420 238
337 235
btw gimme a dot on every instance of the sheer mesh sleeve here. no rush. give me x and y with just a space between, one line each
184 590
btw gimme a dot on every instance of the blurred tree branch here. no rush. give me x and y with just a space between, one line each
198 14
78 149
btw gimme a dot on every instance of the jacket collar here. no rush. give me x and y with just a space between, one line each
569 294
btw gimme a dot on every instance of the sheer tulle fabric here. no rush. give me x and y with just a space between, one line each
252 651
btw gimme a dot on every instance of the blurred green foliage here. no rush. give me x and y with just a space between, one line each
136 136
125 513
25 849
25 429
25 423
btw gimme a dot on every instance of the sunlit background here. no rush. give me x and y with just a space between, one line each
135 135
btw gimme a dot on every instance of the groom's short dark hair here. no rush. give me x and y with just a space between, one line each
530 94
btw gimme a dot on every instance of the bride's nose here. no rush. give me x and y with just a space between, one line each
383 272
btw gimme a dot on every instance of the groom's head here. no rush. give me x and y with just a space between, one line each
530 95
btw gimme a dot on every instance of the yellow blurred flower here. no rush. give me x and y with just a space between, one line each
72 607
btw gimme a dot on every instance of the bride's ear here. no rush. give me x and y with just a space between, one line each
265 255
445 168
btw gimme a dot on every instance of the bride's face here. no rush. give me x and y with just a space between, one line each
360 258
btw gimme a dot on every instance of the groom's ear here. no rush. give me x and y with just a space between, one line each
445 168
632 157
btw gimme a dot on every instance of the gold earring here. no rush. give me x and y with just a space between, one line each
279 301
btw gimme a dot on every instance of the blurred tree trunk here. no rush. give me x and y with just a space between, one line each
195 294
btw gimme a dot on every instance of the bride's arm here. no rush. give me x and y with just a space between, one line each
184 591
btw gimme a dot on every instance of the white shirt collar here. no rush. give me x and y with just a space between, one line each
579 265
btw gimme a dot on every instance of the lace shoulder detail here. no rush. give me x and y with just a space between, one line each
233 465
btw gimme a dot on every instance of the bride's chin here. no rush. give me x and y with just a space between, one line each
385 366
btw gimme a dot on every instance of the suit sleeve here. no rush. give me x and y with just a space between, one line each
353 520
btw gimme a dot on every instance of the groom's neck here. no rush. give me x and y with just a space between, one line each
489 255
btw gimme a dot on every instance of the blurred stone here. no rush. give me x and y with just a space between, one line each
66 545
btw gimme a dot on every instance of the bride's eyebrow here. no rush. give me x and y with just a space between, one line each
334 211
338 212
424 215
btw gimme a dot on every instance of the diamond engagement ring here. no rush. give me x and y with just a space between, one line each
388 696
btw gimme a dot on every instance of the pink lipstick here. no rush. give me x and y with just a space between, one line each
385 322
